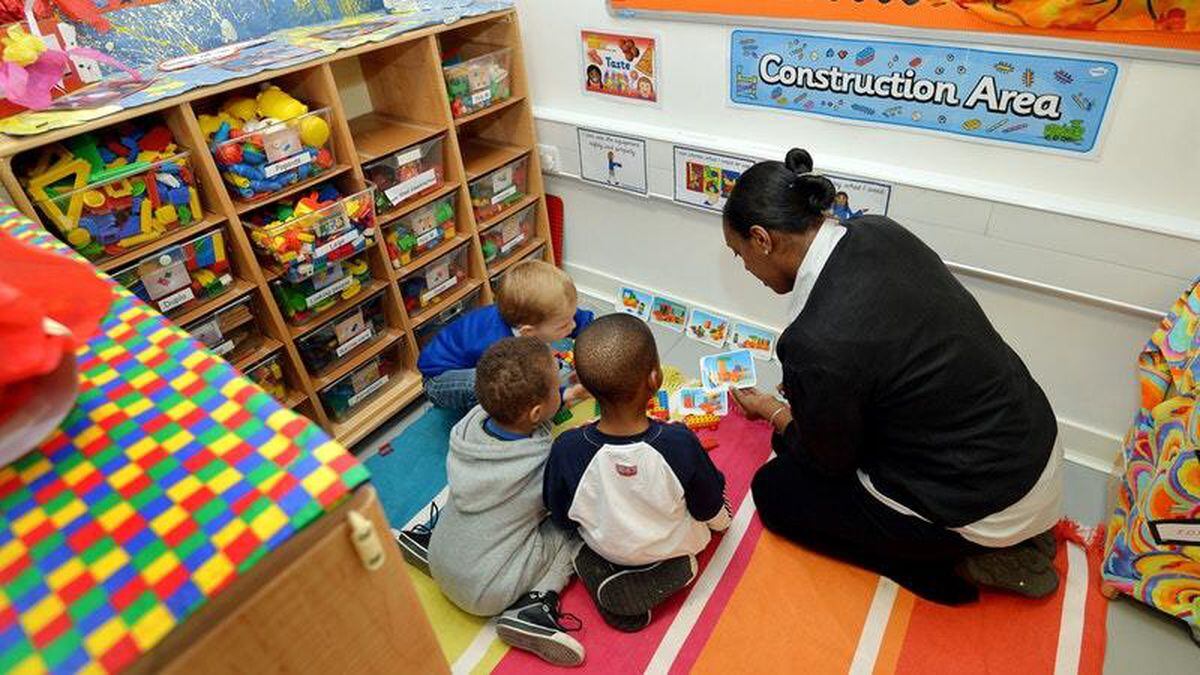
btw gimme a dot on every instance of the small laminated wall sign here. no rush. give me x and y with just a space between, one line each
706 179
759 341
620 66
669 313
634 301
709 328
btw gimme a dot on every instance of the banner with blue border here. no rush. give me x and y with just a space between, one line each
1008 97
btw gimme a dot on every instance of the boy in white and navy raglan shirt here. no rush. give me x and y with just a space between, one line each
643 495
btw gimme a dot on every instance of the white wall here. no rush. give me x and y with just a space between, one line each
1000 209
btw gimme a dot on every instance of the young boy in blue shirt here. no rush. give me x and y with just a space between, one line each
536 299
643 495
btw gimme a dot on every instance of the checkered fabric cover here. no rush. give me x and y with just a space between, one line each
172 476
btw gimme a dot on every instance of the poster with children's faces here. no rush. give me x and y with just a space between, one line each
669 313
856 197
759 341
730 369
636 302
706 179
708 328
620 66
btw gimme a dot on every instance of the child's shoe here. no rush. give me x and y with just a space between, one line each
414 543
593 570
636 590
1026 568
534 623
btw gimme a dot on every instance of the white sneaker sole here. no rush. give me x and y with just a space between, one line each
553 646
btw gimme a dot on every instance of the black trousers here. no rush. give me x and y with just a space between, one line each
839 518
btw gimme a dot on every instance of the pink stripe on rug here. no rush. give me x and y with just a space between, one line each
744 446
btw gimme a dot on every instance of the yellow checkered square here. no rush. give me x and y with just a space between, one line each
183 409
125 475
160 567
142 447
269 522
174 443
67 514
152 627
41 614
184 381
65 574
103 638
168 520
108 564
87 436
143 379
28 522
224 480
138 407
320 480
212 573
183 489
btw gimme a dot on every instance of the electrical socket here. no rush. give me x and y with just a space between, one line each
548 154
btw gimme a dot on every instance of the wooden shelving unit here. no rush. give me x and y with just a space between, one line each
398 98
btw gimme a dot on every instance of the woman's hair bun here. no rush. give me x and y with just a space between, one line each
816 192
798 161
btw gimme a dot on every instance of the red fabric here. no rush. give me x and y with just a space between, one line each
35 285
554 213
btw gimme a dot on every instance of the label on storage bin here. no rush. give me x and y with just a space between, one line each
272 170
510 245
176 299
407 158
481 97
401 191
504 194
361 338
351 237
328 292
371 389
438 290
209 333
281 141
427 237
223 348
331 223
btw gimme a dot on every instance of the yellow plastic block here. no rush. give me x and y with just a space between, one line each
152 627
38 184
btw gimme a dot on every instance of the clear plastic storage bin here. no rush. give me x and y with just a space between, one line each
230 333
350 391
269 159
505 239
343 334
428 285
421 231
425 332
303 300
177 279
307 236
406 175
135 205
268 374
495 192
478 78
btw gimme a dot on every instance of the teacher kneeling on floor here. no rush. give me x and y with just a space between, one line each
913 441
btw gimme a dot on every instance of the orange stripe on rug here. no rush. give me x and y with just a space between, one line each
791 608
1002 633
893 637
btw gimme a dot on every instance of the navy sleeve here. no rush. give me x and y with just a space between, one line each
583 318
703 484
561 478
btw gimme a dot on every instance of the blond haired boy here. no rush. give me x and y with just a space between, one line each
536 299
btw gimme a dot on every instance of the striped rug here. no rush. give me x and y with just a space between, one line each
764 605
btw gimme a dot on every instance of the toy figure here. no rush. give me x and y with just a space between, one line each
842 210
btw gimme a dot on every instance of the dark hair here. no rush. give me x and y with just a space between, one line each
613 357
782 196
595 69
513 376
842 194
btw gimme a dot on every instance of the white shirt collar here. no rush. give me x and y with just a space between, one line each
829 234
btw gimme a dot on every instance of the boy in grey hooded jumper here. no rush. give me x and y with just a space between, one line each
494 550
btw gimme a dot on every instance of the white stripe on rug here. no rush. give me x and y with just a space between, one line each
874 627
689 612
1070 629
474 653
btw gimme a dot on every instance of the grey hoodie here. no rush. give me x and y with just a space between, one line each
493 541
